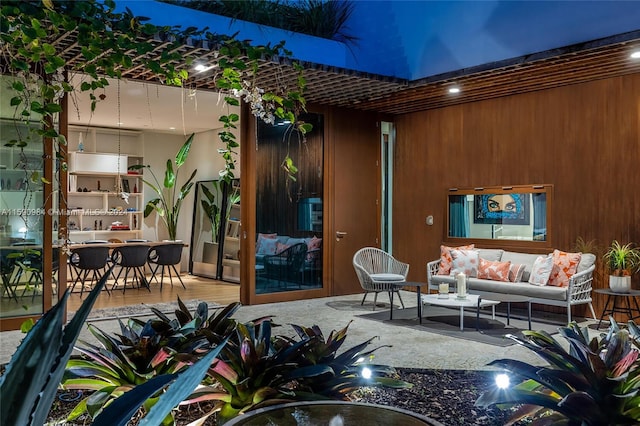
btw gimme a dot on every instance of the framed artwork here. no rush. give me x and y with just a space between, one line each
125 185
495 209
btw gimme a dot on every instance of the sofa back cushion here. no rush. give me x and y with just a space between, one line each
492 255
526 259
586 261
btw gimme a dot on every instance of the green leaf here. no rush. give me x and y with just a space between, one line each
169 175
15 101
182 154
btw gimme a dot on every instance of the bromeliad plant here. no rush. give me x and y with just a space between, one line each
595 383
257 370
142 352
169 199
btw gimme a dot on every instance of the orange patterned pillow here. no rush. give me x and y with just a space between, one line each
496 271
446 260
564 266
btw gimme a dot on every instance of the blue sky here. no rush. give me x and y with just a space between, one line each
417 39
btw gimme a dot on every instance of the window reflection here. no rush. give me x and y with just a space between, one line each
289 220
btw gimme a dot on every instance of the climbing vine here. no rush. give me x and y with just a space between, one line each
33 51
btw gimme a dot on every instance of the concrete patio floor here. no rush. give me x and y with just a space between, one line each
410 348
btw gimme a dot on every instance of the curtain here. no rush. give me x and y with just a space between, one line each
458 216
539 216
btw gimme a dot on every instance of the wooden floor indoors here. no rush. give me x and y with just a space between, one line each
197 288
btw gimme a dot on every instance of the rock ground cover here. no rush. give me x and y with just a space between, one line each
447 396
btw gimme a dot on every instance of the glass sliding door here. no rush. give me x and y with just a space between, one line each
289 208
22 212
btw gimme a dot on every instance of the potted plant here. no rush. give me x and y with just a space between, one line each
622 260
169 200
213 212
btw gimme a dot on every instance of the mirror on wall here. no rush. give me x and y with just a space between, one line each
215 242
518 213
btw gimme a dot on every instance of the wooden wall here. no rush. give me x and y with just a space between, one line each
277 195
584 139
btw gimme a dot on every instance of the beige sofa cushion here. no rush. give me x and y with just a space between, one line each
492 255
526 259
586 260
523 289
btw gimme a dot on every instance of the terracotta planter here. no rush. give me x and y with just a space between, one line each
620 284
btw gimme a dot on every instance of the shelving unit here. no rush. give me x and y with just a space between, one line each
97 180
231 253
21 197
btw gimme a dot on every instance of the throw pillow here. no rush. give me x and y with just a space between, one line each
313 244
465 261
493 270
261 238
515 272
541 270
446 260
268 246
280 247
564 266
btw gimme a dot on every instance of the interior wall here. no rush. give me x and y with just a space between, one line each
584 139
203 156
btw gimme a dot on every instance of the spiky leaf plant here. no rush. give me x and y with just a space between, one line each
257 369
141 352
31 379
595 383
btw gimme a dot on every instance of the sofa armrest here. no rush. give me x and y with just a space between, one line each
432 269
580 286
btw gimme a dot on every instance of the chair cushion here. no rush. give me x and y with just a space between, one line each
387 277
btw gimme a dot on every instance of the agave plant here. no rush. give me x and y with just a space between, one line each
169 200
595 383
256 370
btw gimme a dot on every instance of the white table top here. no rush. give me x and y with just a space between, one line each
470 301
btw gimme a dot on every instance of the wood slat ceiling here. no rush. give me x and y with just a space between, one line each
328 85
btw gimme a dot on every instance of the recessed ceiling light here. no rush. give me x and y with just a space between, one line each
203 68
172 128
120 123
454 90
635 55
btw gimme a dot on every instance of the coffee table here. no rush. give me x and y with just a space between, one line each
452 301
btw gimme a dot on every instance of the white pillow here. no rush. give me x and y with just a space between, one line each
541 270
465 261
